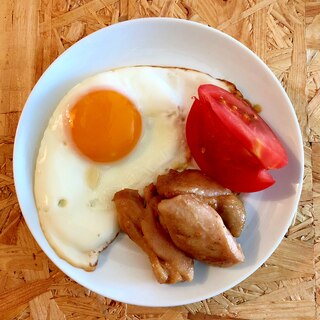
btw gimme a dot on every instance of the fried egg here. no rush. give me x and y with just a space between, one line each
118 129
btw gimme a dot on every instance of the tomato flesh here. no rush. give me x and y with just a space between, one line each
221 156
245 125
230 142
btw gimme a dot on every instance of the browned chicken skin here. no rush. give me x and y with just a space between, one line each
169 264
190 181
198 230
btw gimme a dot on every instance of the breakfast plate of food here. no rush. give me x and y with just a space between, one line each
153 162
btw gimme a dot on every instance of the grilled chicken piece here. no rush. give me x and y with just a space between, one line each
190 181
198 230
227 204
169 264
232 212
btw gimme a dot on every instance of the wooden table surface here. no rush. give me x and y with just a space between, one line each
284 33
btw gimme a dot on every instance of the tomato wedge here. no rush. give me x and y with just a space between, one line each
225 152
246 126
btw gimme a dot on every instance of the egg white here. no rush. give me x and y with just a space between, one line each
74 195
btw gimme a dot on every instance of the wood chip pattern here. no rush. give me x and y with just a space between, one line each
284 33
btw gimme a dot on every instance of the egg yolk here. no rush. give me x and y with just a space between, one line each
104 125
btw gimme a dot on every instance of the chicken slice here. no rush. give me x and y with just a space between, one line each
178 265
190 181
130 211
232 212
198 230
169 264
227 204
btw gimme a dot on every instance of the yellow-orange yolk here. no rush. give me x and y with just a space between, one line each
104 125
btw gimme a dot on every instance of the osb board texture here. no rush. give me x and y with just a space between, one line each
284 33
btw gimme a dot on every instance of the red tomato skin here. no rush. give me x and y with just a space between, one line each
219 155
246 126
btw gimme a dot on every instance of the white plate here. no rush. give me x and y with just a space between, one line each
123 272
